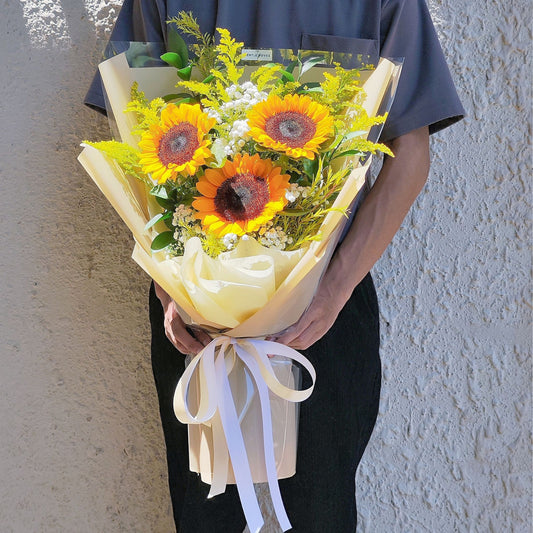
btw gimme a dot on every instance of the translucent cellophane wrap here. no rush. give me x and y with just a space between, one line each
284 416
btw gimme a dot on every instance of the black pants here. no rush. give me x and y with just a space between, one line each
335 426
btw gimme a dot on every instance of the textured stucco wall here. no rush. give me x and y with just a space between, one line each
81 447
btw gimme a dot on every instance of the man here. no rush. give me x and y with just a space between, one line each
340 330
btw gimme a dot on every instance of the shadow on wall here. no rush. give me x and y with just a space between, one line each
75 326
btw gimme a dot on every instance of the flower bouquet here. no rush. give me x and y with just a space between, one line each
236 188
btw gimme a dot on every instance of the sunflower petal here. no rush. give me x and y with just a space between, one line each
206 188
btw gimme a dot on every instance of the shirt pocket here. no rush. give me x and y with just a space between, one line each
335 43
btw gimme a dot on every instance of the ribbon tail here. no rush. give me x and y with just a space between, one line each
220 458
237 449
268 439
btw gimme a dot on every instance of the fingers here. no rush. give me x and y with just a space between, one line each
288 335
303 339
311 327
180 336
201 336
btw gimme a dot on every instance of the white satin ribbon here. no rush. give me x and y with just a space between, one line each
216 408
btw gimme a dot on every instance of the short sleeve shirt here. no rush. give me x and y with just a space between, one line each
426 95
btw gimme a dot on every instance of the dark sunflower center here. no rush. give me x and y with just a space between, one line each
242 197
290 127
178 144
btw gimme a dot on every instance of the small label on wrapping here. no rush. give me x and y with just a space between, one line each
257 55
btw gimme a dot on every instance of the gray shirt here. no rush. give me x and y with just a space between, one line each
426 95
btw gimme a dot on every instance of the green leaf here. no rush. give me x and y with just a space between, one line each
302 90
176 44
310 167
353 134
295 212
346 153
286 76
309 64
189 100
171 97
291 66
185 73
310 85
166 204
173 59
209 79
168 222
162 240
154 220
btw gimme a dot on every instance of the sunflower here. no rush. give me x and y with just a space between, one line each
296 125
178 144
241 196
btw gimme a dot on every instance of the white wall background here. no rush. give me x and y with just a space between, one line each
81 447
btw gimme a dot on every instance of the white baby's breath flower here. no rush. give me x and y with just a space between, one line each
295 191
291 197
218 148
183 216
231 116
273 237
228 150
213 113
229 240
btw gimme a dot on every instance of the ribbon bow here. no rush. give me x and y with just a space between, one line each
216 407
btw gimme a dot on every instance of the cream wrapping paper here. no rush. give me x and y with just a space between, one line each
245 295
131 200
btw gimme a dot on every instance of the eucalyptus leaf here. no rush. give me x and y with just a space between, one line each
309 64
153 221
159 217
162 240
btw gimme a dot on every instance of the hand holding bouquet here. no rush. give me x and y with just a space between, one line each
235 188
